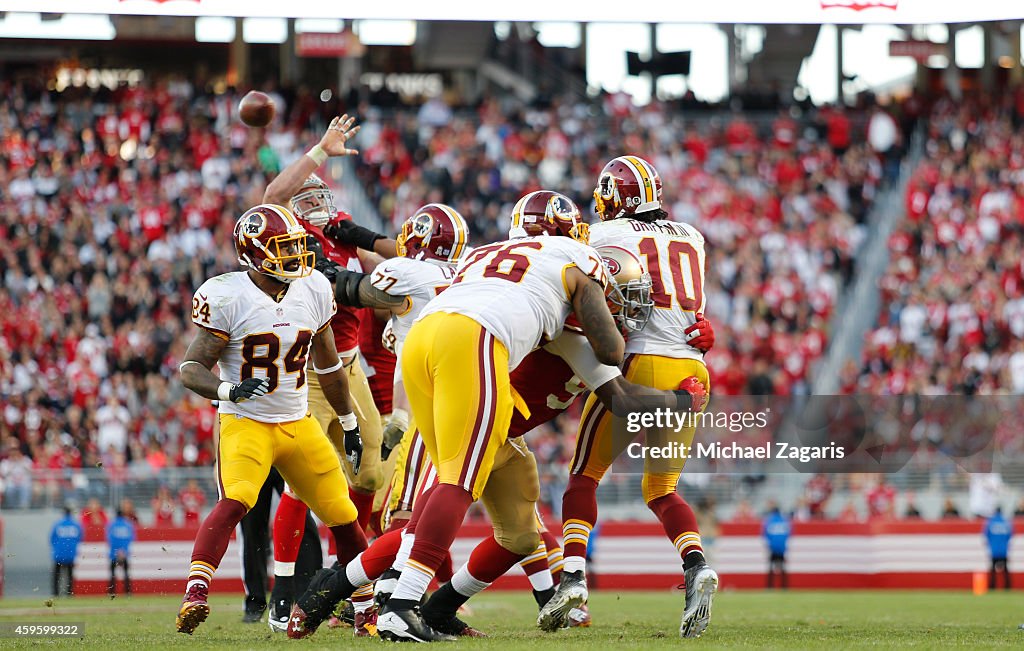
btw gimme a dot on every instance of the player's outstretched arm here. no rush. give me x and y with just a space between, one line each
619 395
202 354
348 232
356 289
287 183
591 308
623 397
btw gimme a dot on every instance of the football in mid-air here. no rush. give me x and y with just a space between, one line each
256 109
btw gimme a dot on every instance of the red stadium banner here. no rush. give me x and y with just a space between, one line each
636 556
920 50
339 44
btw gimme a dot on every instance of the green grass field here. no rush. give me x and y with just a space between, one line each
630 620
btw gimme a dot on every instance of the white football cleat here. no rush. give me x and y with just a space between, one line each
571 594
701 585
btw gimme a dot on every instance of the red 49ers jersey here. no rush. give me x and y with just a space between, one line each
550 378
547 385
345 324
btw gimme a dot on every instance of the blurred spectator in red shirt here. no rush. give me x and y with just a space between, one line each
192 500
93 514
744 513
816 493
882 500
164 507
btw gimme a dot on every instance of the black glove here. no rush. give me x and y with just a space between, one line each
353 447
249 389
347 231
322 263
346 287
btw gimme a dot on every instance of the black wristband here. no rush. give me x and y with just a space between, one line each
684 401
364 238
351 233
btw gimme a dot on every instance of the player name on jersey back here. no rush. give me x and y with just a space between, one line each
265 338
674 255
516 289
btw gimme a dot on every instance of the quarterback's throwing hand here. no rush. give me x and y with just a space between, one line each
338 133
249 389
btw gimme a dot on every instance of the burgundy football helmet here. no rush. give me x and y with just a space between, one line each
548 213
627 185
435 232
269 240
314 202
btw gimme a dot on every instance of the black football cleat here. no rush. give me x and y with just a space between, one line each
406 625
326 589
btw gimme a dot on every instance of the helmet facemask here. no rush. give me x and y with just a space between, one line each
607 202
415 236
561 211
632 302
286 257
629 288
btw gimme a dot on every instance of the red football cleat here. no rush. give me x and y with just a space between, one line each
194 609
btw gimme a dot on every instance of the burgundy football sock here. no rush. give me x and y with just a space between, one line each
439 522
213 538
579 513
554 555
489 560
364 505
445 570
349 540
679 522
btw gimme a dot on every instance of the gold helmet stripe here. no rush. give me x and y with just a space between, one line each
459 224
646 180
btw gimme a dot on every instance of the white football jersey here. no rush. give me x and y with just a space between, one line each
516 289
674 255
420 280
265 338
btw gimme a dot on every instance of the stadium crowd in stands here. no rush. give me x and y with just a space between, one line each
115 205
953 295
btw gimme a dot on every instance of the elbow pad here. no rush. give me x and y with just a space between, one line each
346 287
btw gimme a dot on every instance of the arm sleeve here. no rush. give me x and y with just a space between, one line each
578 354
211 310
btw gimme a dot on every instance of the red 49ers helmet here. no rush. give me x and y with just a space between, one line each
435 232
627 185
269 240
548 213
314 202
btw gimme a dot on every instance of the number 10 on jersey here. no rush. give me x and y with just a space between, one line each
684 269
